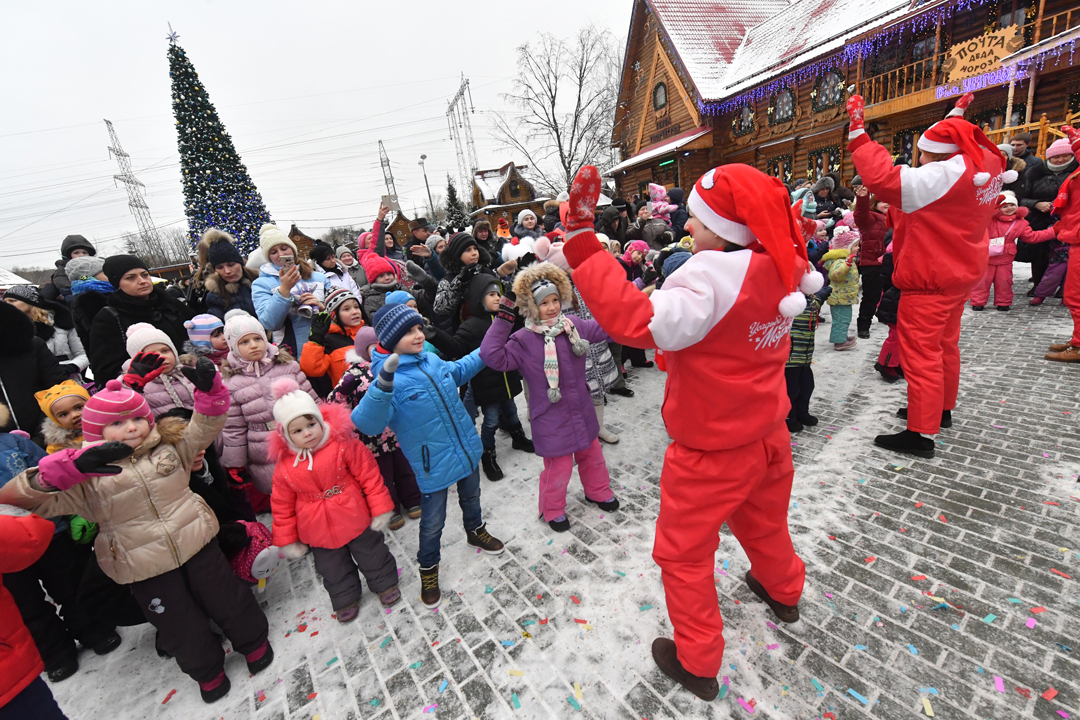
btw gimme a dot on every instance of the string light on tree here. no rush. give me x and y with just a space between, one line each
218 192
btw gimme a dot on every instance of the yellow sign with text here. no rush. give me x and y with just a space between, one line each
982 54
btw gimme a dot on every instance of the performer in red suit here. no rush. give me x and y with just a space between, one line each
1067 207
722 321
940 213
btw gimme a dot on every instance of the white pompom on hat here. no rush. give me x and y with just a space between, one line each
743 205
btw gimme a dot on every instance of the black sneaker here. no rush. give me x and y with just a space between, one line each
610 506
481 538
794 426
558 525
808 420
908 442
647 364
1004 308
864 334
978 308
107 644
946 417
65 669
623 391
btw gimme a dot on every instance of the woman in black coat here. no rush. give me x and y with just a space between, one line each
136 300
26 367
1043 183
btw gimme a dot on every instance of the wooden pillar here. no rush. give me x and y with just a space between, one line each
1038 22
1032 80
1009 102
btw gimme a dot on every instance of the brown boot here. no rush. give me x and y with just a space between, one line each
430 594
786 613
1070 354
667 659
1059 347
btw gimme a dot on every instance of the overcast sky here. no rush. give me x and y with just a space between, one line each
305 89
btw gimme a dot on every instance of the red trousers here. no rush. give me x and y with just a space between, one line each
748 487
1000 277
929 327
1071 296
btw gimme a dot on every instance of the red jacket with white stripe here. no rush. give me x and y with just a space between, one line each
940 239
725 343
24 539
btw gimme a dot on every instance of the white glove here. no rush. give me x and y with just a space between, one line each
380 523
294 551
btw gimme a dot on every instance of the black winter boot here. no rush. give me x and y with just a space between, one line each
491 466
520 442
908 442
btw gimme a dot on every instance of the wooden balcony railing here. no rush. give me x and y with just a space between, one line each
1047 131
927 72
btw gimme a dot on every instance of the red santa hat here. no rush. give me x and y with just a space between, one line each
954 134
744 205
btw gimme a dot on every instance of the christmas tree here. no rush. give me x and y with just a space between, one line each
217 189
456 215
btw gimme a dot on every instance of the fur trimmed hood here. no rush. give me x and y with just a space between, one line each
524 280
336 422
56 436
282 358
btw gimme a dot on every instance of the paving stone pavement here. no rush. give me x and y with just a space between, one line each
927 580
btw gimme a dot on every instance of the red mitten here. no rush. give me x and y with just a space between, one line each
962 103
855 110
584 193
235 474
144 368
1074 138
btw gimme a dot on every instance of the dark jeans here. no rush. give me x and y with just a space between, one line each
399 479
800 386
60 569
871 295
181 603
505 409
35 702
338 566
434 516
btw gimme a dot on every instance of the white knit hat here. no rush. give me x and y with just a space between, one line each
1008 197
271 235
239 324
140 335
291 403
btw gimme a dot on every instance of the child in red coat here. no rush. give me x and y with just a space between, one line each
723 322
1007 226
329 495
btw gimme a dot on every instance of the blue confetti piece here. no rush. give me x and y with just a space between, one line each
573 702
939 606
956 627
932 691
903 609
723 691
517 703
795 505
508 643
858 697
726 565
979 668
860 647
819 686
913 649
990 618
442 686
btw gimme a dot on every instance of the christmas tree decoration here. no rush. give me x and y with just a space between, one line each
456 213
218 192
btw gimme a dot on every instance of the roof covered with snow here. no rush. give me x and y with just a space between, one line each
8 278
729 46
706 33
490 182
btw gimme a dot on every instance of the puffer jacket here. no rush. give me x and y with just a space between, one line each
26 367
560 428
221 297
330 501
1043 185
872 227
273 310
149 520
24 539
17 454
165 392
329 358
438 437
246 438
843 278
1013 228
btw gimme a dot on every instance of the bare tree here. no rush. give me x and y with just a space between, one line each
173 248
36 276
565 92
338 236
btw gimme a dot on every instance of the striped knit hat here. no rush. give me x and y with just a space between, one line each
115 402
201 327
337 298
392 322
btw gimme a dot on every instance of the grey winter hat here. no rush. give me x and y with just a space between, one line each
825 183
541 289
1007 149
432 241
83 267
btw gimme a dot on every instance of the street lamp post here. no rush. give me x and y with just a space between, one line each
431 205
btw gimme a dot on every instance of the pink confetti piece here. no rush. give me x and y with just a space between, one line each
1031 622
1045 455
774 646
770 625
746 706
999 684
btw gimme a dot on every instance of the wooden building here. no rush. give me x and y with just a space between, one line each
765 83
304 244
400 229
503 193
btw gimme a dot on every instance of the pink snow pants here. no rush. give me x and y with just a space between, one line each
555 478
1001 278
890 349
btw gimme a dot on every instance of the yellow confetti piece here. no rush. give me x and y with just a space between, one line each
926 708
577 690
937 598
525 634
588 627
516 673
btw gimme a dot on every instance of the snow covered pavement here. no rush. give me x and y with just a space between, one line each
933 586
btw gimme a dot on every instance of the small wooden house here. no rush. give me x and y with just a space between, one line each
400 229
304 244
503 193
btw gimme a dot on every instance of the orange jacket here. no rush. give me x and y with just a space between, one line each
24 539
318 360
331 502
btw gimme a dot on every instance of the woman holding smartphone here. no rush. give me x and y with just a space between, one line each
288 290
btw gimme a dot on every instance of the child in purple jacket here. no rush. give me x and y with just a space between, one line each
549 352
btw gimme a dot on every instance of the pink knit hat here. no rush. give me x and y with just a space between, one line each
1059 147
115 402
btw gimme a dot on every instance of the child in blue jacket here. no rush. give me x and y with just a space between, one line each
416 396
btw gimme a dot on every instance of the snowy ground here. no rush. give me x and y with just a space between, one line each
560 625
